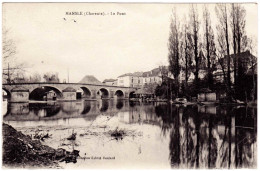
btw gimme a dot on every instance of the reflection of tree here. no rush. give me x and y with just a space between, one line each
163 111
212 145
199 140
245 137
175 139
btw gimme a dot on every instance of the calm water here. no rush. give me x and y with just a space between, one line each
157 135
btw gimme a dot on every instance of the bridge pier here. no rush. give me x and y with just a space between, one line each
111 93
19 95
93 94
69 94
115 97
19 108
126 95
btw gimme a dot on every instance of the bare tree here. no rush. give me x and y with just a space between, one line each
10 65
221 51
187 50
209 44
233 24
240 39
174 49
194 21
223 32
253 62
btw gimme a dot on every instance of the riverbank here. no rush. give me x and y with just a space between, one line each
21 151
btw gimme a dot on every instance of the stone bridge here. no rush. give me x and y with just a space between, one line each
23 92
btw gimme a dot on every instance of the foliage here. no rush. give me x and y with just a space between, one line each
51 77
150 87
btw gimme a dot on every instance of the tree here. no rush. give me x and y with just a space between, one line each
36 77
253 62
51 77
186 51
163 71
233 24
194 21
161 90
209 45
223 39
10 65
150 87
174 49
240 39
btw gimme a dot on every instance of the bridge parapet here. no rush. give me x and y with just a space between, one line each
21 92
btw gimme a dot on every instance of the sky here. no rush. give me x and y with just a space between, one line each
103 46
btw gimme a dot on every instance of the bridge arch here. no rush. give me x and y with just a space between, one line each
44 93
131 94
86 92
103 92
119 93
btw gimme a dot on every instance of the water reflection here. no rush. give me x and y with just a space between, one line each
197 136
226 139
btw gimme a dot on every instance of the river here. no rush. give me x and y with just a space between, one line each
157 135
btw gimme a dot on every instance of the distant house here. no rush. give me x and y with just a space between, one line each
245 61
112 82
51 95
139 79
153 76
130 80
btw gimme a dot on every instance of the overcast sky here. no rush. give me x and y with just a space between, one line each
103 46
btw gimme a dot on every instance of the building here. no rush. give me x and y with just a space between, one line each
130 80
111 81
153 76
51 95
245 62
139 79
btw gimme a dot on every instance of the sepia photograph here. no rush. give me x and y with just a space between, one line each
129 85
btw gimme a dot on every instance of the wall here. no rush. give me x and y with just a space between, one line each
20 96
124 81
210 97
69 95
207 97
19 108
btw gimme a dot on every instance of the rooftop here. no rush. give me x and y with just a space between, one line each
152 73
109 80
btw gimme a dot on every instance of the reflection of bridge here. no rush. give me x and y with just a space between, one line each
23 92
63 109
